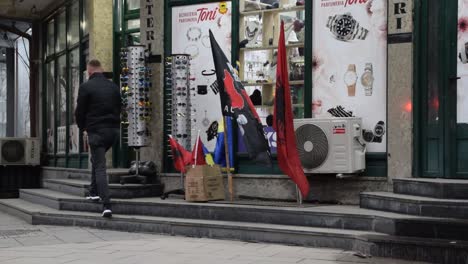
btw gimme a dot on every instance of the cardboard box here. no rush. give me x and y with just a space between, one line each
204 183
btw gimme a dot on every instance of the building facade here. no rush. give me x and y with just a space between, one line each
399 70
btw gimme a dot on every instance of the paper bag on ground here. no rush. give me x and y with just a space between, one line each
204 183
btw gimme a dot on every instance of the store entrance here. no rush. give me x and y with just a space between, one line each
442 82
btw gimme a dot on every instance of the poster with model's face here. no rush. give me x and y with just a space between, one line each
190 26
349 66
462 93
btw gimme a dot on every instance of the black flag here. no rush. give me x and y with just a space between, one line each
236 103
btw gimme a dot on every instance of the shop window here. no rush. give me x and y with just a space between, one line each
22 88
61 32
133 24
50 110
133 5
74 77
50 38
259 30
3 94
62 103
85 18
135 38
74 24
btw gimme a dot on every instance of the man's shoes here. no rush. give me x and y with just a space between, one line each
93 198
107 213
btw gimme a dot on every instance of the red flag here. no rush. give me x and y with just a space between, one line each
180 155
288 157
198 155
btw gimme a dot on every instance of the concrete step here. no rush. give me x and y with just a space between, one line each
338 217
437 188
376 244
415 205
113 175
127 191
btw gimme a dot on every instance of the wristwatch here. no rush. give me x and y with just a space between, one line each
367 79
350 79
345 28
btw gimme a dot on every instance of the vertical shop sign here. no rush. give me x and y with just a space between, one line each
400 19
147 16
190 35
349 65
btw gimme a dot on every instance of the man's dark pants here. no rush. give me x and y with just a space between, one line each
100 141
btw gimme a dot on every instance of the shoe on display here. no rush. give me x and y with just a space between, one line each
107 213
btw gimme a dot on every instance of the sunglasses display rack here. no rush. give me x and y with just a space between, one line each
135 84
178 86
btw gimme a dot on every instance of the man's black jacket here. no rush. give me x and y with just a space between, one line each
99 104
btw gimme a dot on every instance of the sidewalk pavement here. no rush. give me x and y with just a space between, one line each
21 243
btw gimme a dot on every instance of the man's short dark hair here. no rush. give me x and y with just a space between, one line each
94 63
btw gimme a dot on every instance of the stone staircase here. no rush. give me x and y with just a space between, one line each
378 228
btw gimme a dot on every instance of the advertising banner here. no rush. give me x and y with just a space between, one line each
349 65
190 35
462 67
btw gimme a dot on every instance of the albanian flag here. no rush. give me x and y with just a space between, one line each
288 157
180 155
236 103
198 155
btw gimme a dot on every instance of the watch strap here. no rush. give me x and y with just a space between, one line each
352 67
368 67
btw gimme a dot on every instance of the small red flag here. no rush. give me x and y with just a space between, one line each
180 155
198 155
288 157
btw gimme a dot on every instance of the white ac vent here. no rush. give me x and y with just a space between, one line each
332 145
19 151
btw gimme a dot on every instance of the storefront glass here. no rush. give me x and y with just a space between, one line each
3 95
62 103
85 18
74 24
50 106
133 4
61 32
50 37
74 78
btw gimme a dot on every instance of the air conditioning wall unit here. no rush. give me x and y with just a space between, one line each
331 145
19 151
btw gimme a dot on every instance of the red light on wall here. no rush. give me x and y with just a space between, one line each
408 107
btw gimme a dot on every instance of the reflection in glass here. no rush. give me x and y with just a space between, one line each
74 71
85 20
61 30
73 24
135 38
133 24
50 107
133 4
50 38
62 103
3 96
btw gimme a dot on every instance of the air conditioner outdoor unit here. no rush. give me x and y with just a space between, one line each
332 145
19 151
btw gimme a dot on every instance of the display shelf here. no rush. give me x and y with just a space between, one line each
288 46
272 11
300 82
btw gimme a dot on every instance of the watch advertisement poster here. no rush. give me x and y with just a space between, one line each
349 66
190 35
462 66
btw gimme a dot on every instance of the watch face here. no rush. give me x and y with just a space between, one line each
367 79
344 26
350 78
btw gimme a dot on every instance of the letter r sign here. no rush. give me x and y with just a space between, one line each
400 16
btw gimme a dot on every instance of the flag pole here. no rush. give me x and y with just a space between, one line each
298 196
228 161
196 149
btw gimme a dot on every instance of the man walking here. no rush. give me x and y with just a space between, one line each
98 114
